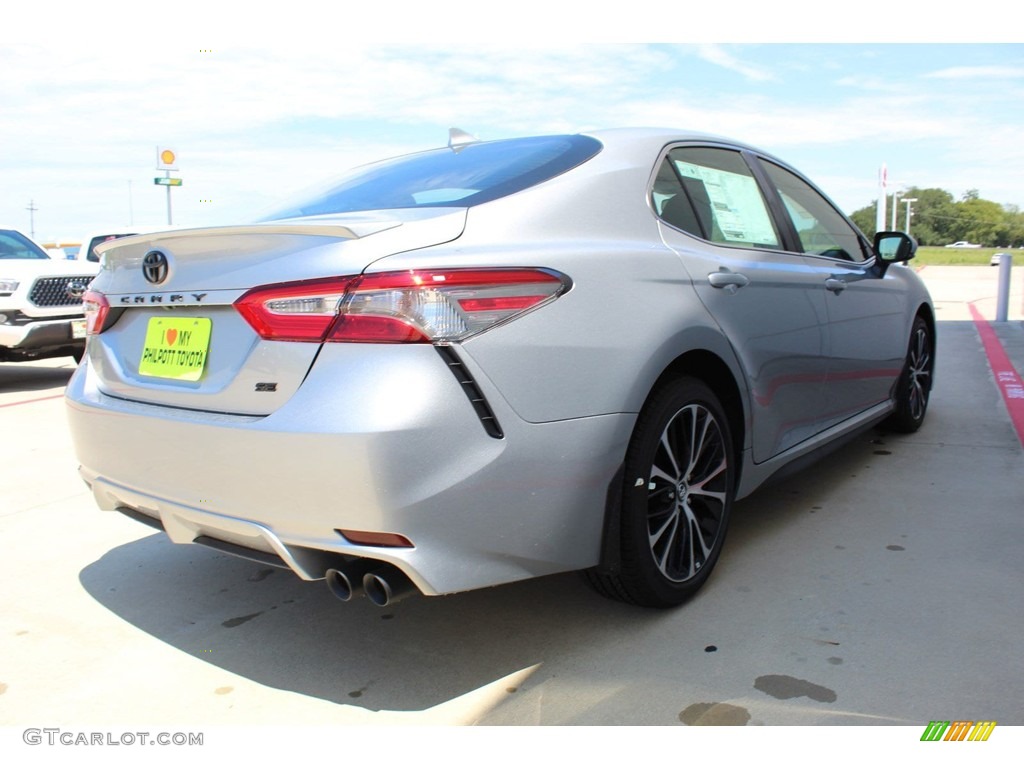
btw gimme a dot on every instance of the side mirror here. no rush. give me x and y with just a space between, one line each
893 247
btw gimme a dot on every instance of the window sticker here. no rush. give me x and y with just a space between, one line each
736 204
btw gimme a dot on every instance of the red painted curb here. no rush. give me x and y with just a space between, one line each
1007 378
26 402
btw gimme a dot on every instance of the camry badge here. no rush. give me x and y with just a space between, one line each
154 267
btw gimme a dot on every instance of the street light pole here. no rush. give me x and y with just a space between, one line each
883 196
908 201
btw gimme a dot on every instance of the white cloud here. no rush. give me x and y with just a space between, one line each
767 122
976 73
252 122
715 54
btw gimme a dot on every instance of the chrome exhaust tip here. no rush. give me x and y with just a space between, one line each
346 581
387 585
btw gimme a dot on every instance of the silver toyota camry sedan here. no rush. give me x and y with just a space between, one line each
496 360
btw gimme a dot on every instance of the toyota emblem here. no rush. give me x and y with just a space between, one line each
154 267
75 290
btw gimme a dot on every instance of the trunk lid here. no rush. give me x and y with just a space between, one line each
188 316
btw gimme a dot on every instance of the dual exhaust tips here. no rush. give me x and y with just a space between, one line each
382 583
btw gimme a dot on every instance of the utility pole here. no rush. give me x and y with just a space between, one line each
32 218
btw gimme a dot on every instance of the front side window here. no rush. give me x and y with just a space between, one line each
712 194
821 229
474 174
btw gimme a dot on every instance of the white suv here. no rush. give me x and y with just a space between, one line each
40 301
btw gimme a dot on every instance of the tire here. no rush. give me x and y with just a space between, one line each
915 383
677 492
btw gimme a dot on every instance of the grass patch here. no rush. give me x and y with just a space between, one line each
969 257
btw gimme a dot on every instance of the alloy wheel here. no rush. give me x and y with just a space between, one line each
919 365
687 493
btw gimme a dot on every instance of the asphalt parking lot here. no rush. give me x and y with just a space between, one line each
881 586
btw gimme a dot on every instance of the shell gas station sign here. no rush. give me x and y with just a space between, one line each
167 161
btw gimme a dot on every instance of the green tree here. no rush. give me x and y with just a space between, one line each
864 218
1011 231
980 220
933 215
938 219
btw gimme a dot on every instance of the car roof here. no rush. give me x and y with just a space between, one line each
638 144
653 136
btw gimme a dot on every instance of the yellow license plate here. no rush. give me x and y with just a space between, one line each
175 348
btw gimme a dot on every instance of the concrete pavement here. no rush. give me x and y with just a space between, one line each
880 586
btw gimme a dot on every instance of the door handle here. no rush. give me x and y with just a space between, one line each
730 281
835 285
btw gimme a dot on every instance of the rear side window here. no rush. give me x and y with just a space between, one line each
711 193
14 245
821 229
474 174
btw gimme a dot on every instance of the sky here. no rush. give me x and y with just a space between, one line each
258 106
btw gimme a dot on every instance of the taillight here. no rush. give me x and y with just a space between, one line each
301 311
96 309
398 307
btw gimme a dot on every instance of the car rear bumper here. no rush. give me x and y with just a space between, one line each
39 335
379 440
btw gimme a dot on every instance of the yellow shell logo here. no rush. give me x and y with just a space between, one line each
167 157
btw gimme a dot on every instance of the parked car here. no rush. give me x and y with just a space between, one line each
87 250
963 244
41 314
497 360
996 260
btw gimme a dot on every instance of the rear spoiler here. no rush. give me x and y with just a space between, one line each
275 228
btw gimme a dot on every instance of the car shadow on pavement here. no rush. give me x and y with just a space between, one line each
268 626
20 377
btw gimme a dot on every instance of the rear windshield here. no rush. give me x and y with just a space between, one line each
14 245
476 173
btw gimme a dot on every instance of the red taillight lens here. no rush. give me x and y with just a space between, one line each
96 309
398 307
294 311
367 328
